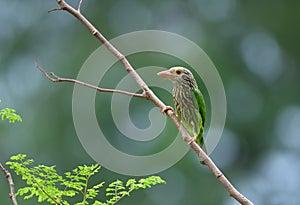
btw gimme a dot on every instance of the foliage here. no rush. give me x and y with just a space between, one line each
10 115
47 185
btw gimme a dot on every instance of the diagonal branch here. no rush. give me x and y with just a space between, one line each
152 97
11 184
45 192
56 78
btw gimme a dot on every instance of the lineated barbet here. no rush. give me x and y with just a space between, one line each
188 101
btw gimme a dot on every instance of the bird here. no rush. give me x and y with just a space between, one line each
189 102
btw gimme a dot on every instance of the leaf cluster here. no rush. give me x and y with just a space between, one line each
116 190
47 185
10 115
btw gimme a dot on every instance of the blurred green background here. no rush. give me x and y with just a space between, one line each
254 45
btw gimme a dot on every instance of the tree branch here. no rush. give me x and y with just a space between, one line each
56 79
147 92
11 184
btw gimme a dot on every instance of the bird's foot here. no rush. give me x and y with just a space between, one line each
193 139
165 109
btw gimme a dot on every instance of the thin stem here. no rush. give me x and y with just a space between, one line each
79 6
56 78
121 197
48 195
11 184
85 188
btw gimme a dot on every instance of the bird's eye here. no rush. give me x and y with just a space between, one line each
178 71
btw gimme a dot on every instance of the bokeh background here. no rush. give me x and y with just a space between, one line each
254 45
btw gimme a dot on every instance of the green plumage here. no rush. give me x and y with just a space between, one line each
189 102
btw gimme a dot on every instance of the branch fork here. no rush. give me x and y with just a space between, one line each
55 78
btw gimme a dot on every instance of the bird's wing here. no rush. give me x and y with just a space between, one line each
199 100
201 104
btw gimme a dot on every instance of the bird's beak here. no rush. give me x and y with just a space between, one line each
165 74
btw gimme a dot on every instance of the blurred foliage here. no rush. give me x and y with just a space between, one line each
254 45
10 115
47 185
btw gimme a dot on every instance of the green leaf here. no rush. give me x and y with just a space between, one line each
18 157
97 186
23 191
99 203
10 115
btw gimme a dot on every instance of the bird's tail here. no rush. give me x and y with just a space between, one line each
200 141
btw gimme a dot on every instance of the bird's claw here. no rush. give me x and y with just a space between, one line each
193 139
165 109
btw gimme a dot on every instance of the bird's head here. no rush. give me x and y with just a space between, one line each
179 75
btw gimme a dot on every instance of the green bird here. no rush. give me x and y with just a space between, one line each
189 102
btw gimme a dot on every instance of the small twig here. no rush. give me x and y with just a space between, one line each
79 6
46 193
56 78
11 184
55 9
